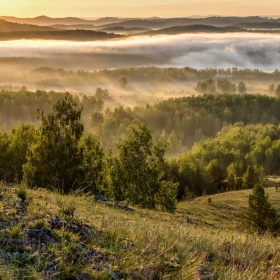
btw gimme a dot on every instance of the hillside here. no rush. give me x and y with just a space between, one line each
225 210
73 26
152 23
125 30
198 28
73 35
44 20
6 26
49 236
160 23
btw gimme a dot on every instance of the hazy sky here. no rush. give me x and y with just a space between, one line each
143 8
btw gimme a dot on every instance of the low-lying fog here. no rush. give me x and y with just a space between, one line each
260 51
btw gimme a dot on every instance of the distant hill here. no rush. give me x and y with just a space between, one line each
125 30
160 23
73 35
259 25
6 26
46 21
107 20
73 26
43 20
197 28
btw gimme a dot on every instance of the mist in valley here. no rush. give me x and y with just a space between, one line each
193 50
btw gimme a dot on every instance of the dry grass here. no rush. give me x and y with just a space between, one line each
144 244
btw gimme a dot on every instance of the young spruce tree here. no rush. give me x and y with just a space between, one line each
261 216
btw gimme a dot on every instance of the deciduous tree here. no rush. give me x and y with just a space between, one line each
55 160
137 171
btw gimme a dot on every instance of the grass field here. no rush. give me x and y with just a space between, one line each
75 237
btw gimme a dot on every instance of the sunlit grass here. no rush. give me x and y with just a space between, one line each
200 240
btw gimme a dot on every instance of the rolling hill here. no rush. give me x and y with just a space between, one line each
74 26
45 21
160 23
73 35
6 26
197 28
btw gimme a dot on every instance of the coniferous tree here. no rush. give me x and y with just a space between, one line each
261 216
250 178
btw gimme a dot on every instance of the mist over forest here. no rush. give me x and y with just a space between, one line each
194 50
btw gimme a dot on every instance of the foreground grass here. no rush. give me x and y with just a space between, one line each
95 240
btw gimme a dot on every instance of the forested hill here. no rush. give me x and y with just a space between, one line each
197 28
73 35
153 74
180 121
6 26
184 121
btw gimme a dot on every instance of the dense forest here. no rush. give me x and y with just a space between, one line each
224 162
233 134
157 74
138 78
184 121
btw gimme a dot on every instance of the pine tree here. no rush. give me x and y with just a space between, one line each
261 216
250 178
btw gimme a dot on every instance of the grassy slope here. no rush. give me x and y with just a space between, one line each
225 208
141 244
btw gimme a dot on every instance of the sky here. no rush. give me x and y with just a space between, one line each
143 8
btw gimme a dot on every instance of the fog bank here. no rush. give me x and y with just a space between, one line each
193 50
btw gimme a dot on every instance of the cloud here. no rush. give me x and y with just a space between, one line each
193 50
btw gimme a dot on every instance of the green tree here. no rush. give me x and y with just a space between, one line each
55 160
92 164
201 87
277 90
211 86
261 216
101 93
174 143
122 82
5 168
231 173
21 139
271 88
241 87
137 171
250 178
215 172
96 118
225 86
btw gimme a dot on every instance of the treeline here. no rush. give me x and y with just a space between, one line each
154 74
237 158
73 35
184 121
21 106
180 121
223 85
